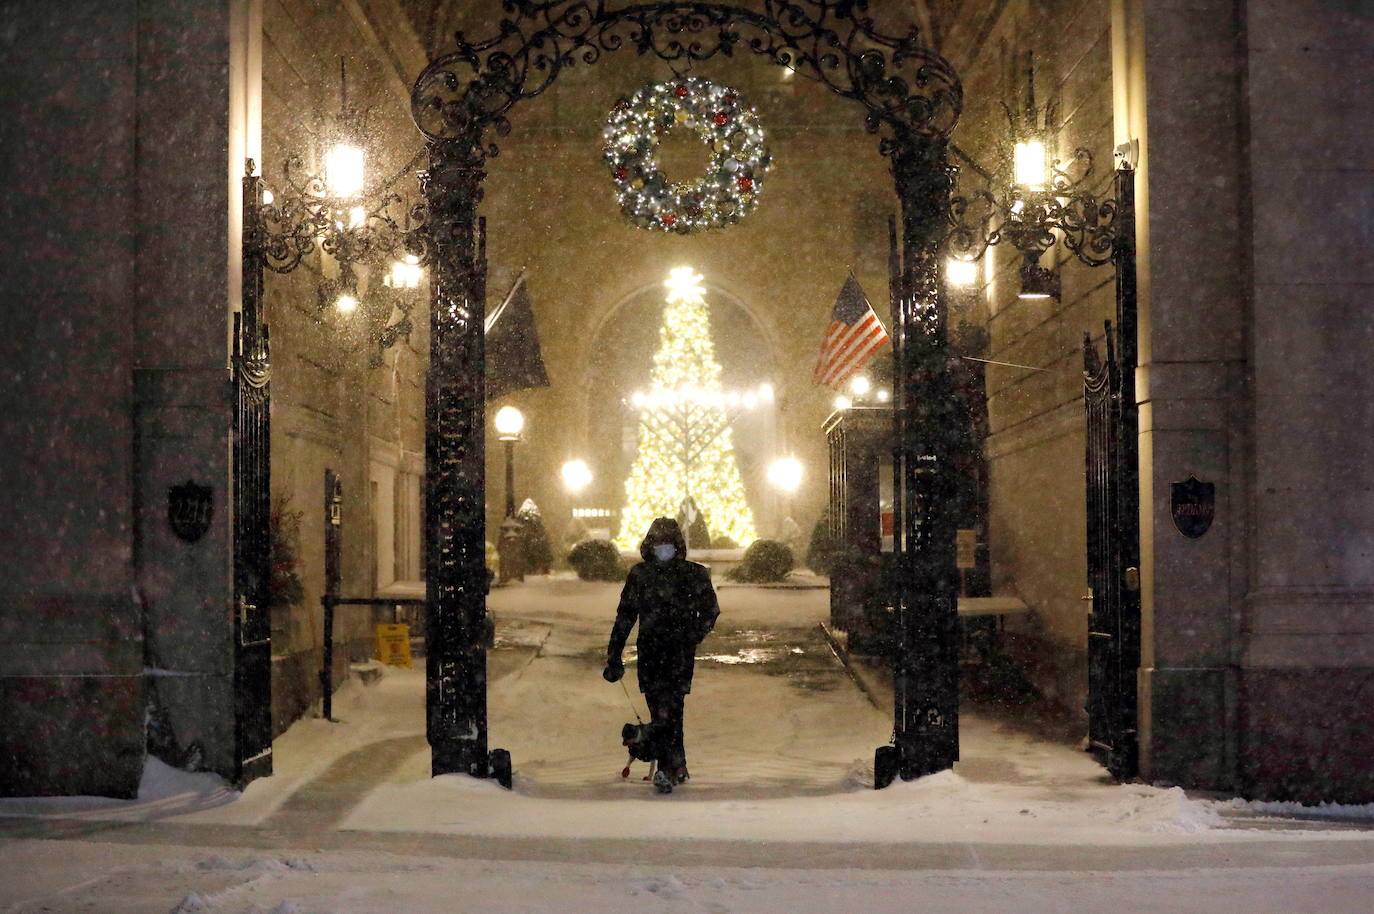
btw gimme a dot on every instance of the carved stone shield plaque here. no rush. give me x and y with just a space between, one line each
189 509
1194 504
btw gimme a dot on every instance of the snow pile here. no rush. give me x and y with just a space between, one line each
1329 812
667 887
197 903
161 781
1165 811
252 865
162 791
942 807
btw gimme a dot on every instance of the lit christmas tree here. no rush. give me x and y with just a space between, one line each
685 446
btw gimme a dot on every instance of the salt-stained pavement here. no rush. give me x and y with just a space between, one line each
779 814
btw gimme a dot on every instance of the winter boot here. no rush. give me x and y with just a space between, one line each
663 781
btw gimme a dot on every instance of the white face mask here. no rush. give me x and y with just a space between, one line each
664 551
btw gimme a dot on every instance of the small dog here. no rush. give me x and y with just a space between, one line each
642 742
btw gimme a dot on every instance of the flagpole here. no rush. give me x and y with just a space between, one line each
495 314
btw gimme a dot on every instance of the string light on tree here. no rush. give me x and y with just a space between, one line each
684 434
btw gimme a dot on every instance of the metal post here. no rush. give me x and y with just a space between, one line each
510 477
455 462
327 664
1128 512
927 436
333 575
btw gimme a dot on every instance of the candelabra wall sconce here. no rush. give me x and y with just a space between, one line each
362 227
1035 201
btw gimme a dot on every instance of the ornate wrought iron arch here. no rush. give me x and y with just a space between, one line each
908 90
912 100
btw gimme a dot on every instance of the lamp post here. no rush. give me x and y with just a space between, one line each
510 422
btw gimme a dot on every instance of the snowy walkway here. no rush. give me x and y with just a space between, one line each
772 713
780 743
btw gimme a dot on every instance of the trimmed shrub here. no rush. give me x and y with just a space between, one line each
821 553
597 560
538 552
724 542
765 561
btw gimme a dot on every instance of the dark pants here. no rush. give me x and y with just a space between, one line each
665 707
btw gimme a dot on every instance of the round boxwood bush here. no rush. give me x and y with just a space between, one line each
597 560
765 561
724 542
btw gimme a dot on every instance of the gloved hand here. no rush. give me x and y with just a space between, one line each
614 670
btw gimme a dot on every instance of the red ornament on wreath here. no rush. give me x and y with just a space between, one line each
746 184
680 91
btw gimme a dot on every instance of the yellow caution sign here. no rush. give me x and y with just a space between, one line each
393 645
966 546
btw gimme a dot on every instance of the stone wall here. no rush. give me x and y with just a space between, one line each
1035 447
117 121
332 407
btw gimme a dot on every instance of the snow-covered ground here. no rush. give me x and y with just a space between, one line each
779 814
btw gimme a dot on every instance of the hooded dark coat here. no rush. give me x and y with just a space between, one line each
675 606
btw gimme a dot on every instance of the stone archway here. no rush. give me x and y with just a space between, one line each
911 98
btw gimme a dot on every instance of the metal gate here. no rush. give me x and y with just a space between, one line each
911 97
252 512
1113 513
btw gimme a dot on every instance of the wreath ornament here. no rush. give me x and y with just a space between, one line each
730 188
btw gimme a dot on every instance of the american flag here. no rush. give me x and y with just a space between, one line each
852 338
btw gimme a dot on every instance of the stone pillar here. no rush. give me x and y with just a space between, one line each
1307 659
198 114
71 654
1258 638
1191 386
119 242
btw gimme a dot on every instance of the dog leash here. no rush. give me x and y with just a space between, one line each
630 701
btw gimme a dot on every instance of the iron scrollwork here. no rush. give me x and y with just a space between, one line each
1032 221
302 217
909 91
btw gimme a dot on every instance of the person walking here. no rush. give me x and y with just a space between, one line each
675 605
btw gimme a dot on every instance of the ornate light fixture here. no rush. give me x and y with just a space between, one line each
356 223
1033 204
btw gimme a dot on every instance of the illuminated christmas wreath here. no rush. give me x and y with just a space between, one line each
734 178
